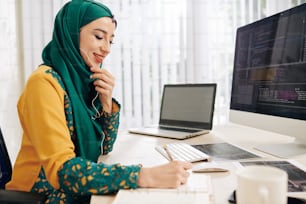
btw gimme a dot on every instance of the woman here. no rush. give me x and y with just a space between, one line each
69 117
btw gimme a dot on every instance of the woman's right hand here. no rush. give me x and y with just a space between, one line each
170 175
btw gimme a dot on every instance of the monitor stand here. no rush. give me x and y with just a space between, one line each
285 150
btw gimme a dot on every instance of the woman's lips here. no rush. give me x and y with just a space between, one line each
99 58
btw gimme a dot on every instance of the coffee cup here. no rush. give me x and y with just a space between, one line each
261 185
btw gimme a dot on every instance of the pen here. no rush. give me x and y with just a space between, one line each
168 152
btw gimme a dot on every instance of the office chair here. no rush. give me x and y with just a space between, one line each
9 196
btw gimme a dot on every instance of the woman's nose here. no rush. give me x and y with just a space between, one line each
106 47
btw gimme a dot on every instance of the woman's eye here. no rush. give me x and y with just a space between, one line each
98 37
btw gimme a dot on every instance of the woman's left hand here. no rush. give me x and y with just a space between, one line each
104 84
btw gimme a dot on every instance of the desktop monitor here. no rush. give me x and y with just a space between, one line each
269 79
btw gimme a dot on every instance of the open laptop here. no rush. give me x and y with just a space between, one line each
186 111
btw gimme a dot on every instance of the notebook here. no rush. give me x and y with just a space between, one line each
198 190
186 111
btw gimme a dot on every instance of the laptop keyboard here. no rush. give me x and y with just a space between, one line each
183 152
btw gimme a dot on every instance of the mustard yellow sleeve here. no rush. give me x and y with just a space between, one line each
41 112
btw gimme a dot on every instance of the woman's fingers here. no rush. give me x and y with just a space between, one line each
103 75
170 175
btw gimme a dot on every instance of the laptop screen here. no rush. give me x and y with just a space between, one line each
188 105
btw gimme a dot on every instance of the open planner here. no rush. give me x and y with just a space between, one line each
198 190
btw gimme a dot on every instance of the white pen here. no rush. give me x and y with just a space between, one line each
168 152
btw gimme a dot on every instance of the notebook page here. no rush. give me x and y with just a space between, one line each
198 190
160 197
197 183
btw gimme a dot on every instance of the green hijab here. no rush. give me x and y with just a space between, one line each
63 54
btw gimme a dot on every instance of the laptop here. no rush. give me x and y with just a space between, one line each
186 111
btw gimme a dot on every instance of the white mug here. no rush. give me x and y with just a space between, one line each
261 185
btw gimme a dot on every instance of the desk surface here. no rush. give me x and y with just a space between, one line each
135 149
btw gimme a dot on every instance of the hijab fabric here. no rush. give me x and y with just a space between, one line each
62 53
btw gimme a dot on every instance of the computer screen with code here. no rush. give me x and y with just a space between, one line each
269 79
270 66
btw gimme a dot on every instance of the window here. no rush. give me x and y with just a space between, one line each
157 42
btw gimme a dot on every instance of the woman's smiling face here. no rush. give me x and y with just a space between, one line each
95 40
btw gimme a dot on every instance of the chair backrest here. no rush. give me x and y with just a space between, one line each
5 163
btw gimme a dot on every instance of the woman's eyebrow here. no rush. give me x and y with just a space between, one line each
104 31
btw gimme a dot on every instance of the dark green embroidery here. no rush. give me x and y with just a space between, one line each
67 104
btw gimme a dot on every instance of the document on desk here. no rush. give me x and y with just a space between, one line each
198 190
296 172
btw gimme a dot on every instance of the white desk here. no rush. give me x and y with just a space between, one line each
134 149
